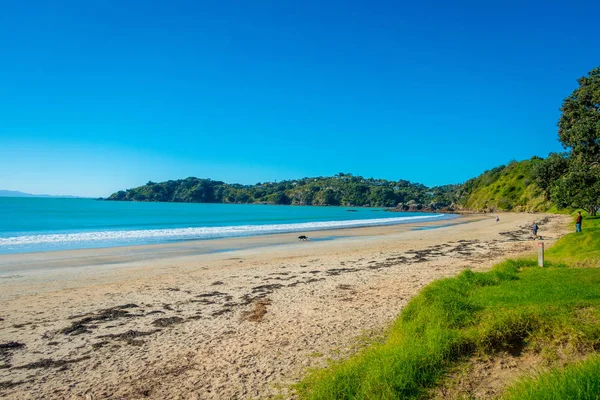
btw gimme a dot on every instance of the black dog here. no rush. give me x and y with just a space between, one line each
303 237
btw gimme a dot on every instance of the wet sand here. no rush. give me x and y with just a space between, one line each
224 319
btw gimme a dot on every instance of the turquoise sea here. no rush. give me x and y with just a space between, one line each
44 224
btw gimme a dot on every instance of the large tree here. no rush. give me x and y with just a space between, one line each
579 187
579 125
546 172
579 132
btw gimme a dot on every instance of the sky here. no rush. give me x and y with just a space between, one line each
98 96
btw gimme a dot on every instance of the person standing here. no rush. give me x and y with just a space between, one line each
578 222
534 230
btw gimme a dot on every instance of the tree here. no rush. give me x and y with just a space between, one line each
579 131
579 125
579 187
281 198
328 197
546 172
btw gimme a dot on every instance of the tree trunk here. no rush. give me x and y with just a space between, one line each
592 210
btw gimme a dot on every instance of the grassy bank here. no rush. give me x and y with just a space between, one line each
578 381
515 306
579 250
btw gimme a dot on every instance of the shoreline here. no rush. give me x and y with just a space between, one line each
93 240
10 262
168 322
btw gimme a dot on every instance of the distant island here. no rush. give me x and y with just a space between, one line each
16 193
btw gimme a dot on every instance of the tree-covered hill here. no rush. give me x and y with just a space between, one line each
518 186
341 189
511 187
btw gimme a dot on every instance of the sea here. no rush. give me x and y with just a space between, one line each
50 224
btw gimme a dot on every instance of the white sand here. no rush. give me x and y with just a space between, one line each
322 295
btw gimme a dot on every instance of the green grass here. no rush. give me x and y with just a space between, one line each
577 381
579 249
515 305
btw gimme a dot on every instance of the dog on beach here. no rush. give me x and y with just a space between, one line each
302 237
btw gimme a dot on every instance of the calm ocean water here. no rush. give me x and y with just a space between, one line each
42 224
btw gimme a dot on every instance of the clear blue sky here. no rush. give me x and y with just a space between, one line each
97 96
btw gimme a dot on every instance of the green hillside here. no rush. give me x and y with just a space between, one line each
505 188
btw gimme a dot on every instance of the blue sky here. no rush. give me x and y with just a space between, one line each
97 96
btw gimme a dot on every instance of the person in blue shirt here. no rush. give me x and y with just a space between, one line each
534 230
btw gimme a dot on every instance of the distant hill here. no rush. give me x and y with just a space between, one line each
505 188
15 193
339 190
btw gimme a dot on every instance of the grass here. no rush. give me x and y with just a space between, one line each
577 381
579 249
515 305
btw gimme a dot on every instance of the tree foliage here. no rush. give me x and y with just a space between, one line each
341 189
579 187
579 132
579 124
547 172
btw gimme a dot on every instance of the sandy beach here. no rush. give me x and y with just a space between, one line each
225 319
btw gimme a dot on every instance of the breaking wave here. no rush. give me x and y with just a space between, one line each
149 236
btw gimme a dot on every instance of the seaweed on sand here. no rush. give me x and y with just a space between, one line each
6 350
109 314
49 363
130 336
258 312
164 322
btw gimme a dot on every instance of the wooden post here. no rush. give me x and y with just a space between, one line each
541 254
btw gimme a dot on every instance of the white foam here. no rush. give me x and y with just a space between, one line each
157 235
